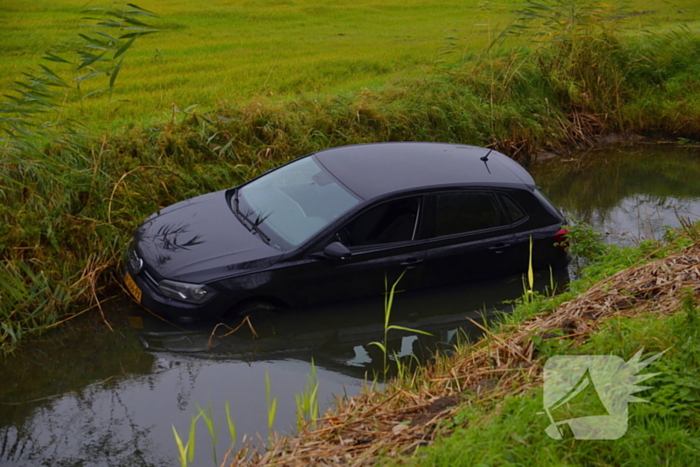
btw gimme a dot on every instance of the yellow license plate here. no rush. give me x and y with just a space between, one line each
136 322
133 288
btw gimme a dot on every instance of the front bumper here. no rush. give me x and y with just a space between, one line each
152 299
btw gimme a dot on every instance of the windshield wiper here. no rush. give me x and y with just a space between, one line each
249 224
236 210
262 234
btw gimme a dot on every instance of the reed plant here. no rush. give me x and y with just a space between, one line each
208 417
271 406
307 414
580 72
388 304
307 400
186 451
578 50
52 175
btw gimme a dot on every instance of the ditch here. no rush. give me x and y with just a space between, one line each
86 395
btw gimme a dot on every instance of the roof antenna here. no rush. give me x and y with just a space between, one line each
485 159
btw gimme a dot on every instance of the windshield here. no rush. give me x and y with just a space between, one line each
295 201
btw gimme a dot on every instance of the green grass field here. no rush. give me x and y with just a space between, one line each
238 50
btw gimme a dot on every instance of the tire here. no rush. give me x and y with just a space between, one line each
255 308
259 315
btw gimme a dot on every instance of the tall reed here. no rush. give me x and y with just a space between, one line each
388 304
53 178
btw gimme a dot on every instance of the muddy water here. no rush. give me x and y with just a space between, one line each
85 395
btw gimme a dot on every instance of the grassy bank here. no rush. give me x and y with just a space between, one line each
663 431
483 405
71 199
507 426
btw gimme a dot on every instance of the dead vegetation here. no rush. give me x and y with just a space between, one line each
402 417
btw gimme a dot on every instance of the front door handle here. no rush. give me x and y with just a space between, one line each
411 263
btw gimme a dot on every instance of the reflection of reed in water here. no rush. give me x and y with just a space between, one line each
628 192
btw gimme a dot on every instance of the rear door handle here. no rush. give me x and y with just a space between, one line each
499 247
411 263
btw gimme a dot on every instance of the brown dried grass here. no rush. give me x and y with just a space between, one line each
397 420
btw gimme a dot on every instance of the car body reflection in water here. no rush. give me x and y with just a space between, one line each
338 336
111 398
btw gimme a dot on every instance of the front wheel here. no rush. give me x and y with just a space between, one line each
255 308
258 315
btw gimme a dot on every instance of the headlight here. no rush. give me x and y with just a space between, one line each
193 293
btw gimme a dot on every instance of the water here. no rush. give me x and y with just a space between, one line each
84 395
627 192
111 398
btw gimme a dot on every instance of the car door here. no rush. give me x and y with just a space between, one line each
470 237
382 244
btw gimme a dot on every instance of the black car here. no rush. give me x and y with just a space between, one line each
338 223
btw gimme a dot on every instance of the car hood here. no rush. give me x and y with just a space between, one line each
199 240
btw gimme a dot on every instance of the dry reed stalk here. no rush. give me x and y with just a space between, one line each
395 421
88 280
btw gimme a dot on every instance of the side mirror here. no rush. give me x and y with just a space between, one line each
336 250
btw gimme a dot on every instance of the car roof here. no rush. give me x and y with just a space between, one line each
377 169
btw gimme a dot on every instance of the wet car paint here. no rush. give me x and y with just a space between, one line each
204 241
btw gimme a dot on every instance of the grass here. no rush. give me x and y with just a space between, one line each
239 50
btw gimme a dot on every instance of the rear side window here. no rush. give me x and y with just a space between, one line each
462 212
513 211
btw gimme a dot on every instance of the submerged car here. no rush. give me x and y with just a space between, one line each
339 224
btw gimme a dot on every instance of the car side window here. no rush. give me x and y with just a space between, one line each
513 210
391 222
465 211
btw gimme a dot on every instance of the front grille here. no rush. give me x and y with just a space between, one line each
149 278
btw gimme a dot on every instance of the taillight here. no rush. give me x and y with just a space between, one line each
560 239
